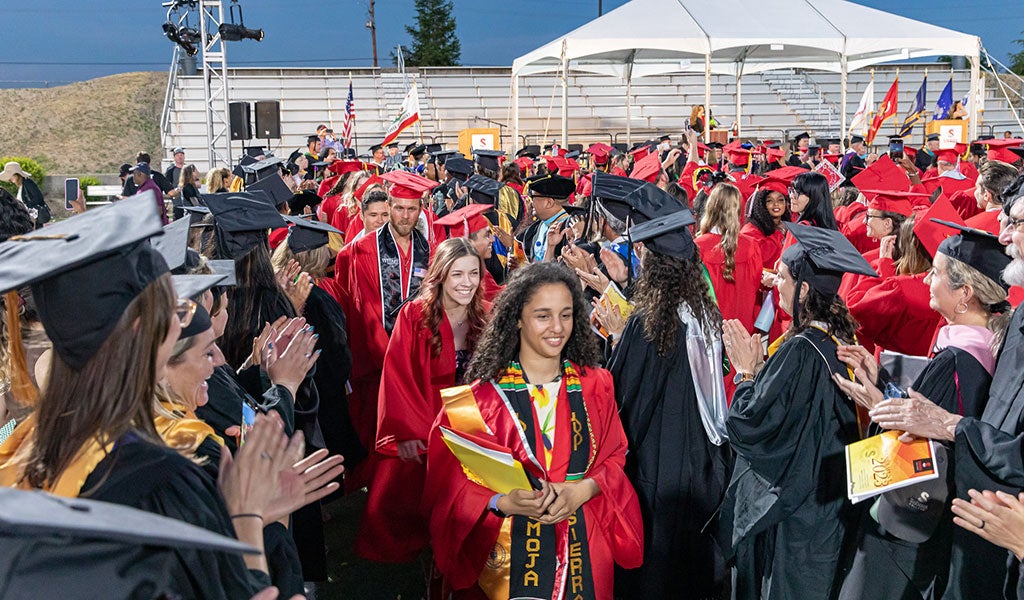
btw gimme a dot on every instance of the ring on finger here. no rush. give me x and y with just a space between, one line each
264 455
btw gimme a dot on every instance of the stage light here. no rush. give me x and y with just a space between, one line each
233 32
182 36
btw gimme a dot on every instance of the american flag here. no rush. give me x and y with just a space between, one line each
350 117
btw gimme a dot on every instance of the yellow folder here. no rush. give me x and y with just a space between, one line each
494 469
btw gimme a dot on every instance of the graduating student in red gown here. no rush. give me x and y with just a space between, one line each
378 273
993 177
539 395
429 350
893 309
469 222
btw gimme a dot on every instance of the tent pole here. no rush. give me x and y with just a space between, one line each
842 98
515 112
565 96
972 123
739 100
707 95
629 99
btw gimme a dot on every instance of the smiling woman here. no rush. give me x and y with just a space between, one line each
541 398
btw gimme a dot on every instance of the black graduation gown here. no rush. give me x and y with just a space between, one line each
990 456
223 408
786 502
159 480
888 567
679 475
333 368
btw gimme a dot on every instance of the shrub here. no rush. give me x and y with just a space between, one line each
28 165
85 182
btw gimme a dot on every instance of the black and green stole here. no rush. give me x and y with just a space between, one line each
392 295
545 558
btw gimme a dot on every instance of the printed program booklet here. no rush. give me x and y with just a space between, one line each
881 463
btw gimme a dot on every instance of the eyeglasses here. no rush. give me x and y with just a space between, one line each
1010 222
184 310
868 217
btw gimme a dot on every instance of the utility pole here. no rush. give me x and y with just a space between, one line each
600 7
372 26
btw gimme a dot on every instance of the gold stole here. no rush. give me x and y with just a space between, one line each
184 431
70 482
464 415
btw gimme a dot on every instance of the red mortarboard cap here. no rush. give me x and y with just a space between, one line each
584 186
910 151
832 158
276 237
890 201
779 180
951 155
883 174
736 154
772 154
370 181
1000 149
340 167
702 149
930 233
640 153
568 167
949 185
647 168
747 185
408 185
524 162
467 220
600 152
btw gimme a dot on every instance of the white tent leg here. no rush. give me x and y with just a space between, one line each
972 123
515 114
707 95
565 96
842 99
629 110
739 101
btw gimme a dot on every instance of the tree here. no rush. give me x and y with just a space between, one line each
1017 59
434 43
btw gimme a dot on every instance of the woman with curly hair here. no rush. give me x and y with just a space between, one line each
538 395
668 383
789 424
429 350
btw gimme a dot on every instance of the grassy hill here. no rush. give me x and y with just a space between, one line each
87 127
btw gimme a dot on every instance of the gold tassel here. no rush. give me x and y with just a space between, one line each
22 388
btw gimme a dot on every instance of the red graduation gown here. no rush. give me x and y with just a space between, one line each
490 286
393 527
770 245
463 531
357 270
986 221
737 299
893 310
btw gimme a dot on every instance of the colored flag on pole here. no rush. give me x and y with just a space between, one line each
350 118
886 110
917 113
859 124
409 114
945 102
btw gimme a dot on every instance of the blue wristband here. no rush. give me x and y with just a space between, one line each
493 506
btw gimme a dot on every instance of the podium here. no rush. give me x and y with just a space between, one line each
718 135
951 131
479 139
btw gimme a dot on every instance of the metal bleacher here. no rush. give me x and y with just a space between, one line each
774 104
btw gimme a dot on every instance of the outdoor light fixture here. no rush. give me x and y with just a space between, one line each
182 36
237 31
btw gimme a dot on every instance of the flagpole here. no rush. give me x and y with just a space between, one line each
896 113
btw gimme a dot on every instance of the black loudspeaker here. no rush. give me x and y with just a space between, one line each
241 120
268 120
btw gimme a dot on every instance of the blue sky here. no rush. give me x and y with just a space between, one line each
48 42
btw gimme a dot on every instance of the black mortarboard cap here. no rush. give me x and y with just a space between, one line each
460 168
409 148
54 545
173 243
262 167
483 190
488 159
913 513
434 148
821 257
306 234
932 137
242 221
274 187
85 271
441 156
418 151
192 286
551 186
856 139
979 249
376 147
632 199
225 267
573 154
802 136
196 213
300 202
667 235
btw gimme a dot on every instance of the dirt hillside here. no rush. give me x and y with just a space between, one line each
87 127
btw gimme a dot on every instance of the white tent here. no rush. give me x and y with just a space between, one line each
653 37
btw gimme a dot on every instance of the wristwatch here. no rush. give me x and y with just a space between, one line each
741 377
493 506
